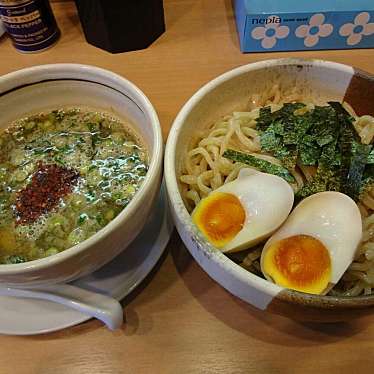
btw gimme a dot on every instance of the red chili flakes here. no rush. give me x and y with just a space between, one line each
48 185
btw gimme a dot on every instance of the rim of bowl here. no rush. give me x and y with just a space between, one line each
218 257
71 70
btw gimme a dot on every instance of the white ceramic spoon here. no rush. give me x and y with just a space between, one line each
104 308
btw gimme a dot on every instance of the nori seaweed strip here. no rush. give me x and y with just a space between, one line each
327 175
354 155
345 145
309 151
320 129
359 156
262 165
347 137
265 118
319 183
279 133
370 159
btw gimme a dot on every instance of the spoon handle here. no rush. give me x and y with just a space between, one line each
104 308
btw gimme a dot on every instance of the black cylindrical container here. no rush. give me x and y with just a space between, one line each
30 24
121 25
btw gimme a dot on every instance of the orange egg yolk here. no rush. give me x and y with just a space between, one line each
299 262
220 217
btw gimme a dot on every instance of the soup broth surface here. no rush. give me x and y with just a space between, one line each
64 175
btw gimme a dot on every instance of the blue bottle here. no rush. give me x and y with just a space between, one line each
30 24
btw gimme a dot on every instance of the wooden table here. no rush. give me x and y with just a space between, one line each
180 321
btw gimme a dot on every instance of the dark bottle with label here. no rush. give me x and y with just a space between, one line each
121 25
30 24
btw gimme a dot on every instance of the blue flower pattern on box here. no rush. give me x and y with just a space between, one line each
316 29
360 28
329 30
269 33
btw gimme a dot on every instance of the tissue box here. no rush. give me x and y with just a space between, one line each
295 25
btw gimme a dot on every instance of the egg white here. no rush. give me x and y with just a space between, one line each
267 201
331 217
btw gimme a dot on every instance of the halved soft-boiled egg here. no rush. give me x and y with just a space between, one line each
316 244
241 213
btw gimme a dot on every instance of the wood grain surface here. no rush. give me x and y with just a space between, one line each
180 321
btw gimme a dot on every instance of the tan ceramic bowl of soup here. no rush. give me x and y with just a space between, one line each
41 89
239 90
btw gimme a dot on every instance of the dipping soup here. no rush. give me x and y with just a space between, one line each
64 175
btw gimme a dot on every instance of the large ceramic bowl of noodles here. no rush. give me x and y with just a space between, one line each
81 155
269 172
